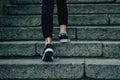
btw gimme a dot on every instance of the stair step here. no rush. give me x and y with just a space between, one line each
69 1
117 0
98 33
92 54
30 48
30 33
35 20
101 33
102 68
72 69
72 49
72 9
36 69
17 48
115 19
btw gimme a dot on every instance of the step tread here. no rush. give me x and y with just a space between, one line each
40 62
87 61
98 61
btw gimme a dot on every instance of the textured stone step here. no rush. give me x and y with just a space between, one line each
111 49
36 69
30 48
17 48
20 20
117 0
103 68
97 69
115 19
69 1
98 33
73 49
101 33
72 9
30 33
33 20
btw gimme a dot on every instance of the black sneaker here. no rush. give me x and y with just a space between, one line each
63 38
48 53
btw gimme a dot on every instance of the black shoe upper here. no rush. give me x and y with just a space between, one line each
48 53
48 46
63 36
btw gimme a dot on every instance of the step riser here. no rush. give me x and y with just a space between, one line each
29 33
17 49
80 49
75 33
117 0
72 9
111 49
77 20
35 69
25 49
36 20
69 1
106 69
41 72
98 33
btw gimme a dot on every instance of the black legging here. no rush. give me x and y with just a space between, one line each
47 15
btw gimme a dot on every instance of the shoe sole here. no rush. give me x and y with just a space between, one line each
48 56
64 40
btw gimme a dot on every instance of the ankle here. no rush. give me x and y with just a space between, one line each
48 40
62 28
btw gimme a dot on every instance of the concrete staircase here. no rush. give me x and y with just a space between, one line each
93 54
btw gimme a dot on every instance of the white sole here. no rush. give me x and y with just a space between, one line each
64 40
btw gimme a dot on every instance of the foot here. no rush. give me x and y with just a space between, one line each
48 53
63 38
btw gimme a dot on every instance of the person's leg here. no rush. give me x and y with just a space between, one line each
47 19
63 19
47 28
62 14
